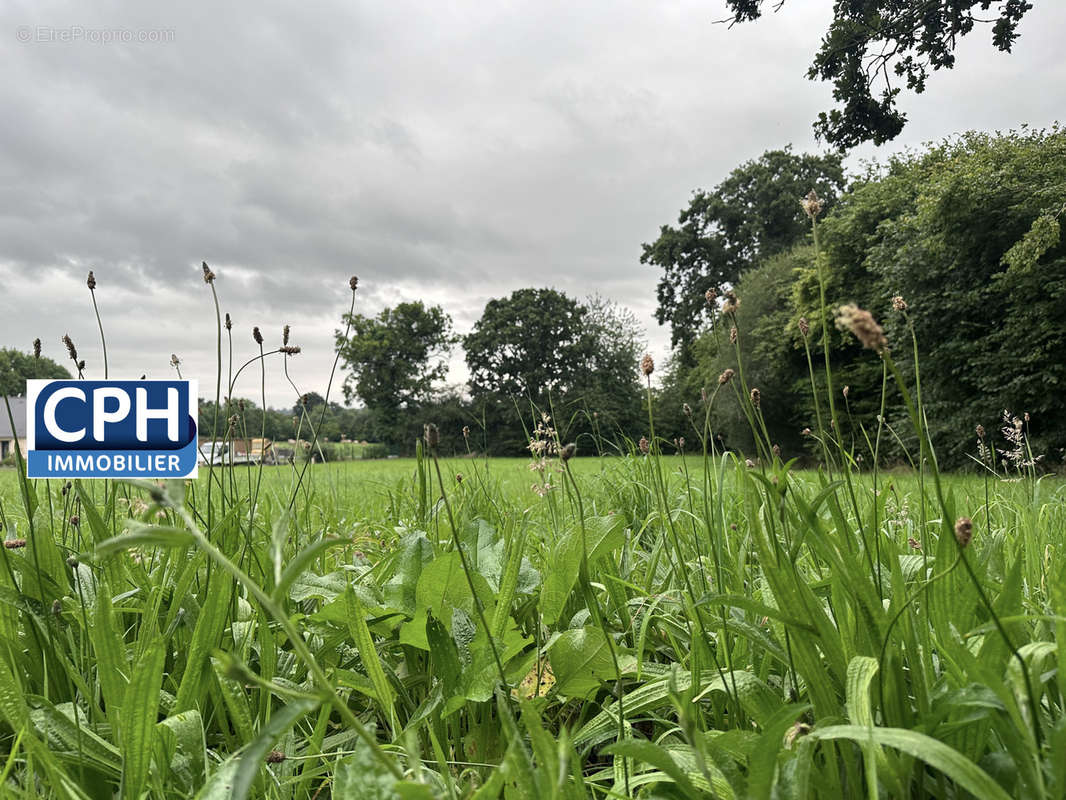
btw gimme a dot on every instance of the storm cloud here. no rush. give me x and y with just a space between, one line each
448 152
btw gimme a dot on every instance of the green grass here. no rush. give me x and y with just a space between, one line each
760 644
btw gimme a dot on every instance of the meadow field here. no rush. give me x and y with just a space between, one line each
648 625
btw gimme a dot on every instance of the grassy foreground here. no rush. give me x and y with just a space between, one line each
650 626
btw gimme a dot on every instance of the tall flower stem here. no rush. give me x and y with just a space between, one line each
103 340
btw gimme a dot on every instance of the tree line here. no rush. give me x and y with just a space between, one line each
964 233
534 352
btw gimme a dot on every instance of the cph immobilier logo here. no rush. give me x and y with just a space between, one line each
111 429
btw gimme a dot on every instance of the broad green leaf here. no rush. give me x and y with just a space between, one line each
364 643
110 650
183 749
581 660
139 714
415 552
361 777
764 756
443 586
603 535
326 587
861 670
656 756
210 625
756 698
73 738
933 752
295 569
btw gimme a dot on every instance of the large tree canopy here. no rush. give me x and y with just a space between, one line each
398 356
527 345
968 233
578 360
752 214
881 45
17 367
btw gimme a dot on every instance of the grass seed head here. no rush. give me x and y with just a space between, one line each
353 282
710 295
963 531
568 451
285 335
811 204
36 349
209 276
726 377
229 322
275 757
431 434
863 327
72 351
647 365
899 303
90 281
257 335
731 304
14 544
804 327
733 335
756 398
644 446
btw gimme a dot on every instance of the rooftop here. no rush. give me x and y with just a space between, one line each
18 411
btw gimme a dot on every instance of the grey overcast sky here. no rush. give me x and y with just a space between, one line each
450 152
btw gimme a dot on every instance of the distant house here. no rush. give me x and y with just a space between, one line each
8 436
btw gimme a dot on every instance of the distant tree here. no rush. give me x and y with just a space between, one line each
308 402
607 382
528 345
752 214
576 360
886 43
397 357
17 367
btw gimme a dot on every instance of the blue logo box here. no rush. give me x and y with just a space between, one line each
111 429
